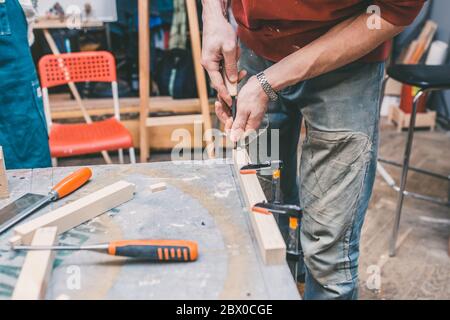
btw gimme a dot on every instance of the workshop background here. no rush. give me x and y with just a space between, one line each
421 267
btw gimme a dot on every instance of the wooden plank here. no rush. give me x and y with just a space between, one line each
63 107
271 244
4 190
402 119
409 53
194 30
393 88
159 138
174 120
79 211
36 270
423 42
158 187
58 24
144 74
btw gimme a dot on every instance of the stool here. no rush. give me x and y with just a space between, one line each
427 79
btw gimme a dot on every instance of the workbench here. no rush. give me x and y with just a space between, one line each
202 203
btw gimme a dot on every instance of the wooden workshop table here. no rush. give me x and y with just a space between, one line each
202 203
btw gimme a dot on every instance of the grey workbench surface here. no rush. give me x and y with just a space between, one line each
202 203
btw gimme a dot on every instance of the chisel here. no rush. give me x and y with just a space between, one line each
30 203
233 91
151 250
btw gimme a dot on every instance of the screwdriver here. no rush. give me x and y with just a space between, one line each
65 187
151 250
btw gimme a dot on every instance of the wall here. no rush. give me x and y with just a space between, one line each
104 10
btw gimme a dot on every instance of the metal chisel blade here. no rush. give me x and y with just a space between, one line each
16 208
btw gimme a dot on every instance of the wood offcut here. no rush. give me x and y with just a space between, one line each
77 212
33 280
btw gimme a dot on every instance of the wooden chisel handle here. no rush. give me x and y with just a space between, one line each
232 87
71 183
233 91
155 250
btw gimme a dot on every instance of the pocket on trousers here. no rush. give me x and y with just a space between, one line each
333 169
5 28
38 104
21 119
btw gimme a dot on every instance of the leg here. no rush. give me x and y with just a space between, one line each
338 169
54 162
406 159
132 156
121 156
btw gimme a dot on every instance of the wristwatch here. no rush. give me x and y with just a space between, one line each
272 94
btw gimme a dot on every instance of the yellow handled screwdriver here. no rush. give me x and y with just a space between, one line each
150 250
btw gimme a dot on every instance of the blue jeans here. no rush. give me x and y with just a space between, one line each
337 167
23 129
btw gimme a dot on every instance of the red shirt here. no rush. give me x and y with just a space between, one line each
276 28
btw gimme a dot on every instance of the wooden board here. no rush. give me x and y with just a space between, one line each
4 190
423 42
63 107
196 47
58 24
174 120
33 279
79 211
271 244
144 75
158 187
160 138
402 119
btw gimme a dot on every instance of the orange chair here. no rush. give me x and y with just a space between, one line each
84 138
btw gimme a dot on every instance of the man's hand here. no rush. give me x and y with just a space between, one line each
223 110
252 105
220 44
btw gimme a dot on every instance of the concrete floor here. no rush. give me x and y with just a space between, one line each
421 269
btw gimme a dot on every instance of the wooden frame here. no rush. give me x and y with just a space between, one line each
270 241
36 270
144 77
402 119
77 212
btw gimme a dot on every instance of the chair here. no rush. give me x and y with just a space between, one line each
427 78
84 138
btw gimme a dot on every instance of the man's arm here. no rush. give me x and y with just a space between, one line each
219 46
343 44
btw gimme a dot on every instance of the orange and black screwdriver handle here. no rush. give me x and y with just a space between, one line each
156 250
71 183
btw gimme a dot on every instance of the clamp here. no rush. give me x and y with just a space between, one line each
270 168
294 213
